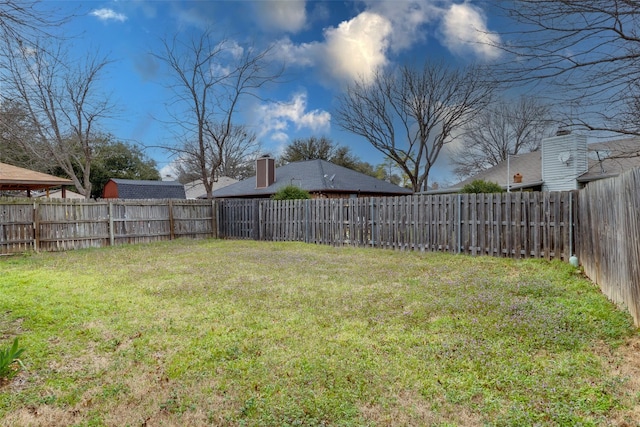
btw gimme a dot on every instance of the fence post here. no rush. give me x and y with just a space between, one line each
373 233
36 228
112 237
256 220
306 220
171 224
214 222
459 225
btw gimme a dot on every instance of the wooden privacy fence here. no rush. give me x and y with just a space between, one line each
601 223
609 238
54 225
517 225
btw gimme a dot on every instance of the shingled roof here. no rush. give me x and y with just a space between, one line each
528 165
16 178
314 176
142 189
611 158
196 189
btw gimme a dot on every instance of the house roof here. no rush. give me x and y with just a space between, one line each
606 159
529 165
314 176
16 178
611 158
196 190
142 189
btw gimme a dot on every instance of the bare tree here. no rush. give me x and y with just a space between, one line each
15 128
505 128
239 153
62 104
411 114
210 78
588 50
24 21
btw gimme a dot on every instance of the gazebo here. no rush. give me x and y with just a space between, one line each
13 178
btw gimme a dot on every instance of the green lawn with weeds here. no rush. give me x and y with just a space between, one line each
274 334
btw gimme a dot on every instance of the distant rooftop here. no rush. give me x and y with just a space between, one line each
314 176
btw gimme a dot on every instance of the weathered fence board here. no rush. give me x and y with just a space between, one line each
517 225
609 231
57 225
70 224
16 227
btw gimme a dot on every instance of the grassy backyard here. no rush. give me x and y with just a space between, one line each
247 333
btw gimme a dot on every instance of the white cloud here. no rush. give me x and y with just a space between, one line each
357 48
275 119
304 54
407 19
108 15
464 30
170 171
230 51
282 15
232 48
198 15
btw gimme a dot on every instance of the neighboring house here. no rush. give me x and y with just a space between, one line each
14 178
117 188
322 179
196 190
565 162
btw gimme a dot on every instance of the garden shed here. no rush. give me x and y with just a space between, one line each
117 188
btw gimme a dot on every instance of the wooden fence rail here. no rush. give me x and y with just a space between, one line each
517 225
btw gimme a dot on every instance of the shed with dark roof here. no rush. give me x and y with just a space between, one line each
322 179
117 188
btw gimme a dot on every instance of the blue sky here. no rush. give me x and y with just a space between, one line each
325 44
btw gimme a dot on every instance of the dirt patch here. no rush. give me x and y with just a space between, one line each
624 364
411 409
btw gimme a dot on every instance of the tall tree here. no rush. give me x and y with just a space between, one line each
321 148
587 50
505 128
311 148
14 129
210 77
410 114
117 159
62 103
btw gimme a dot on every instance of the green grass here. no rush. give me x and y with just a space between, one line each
246 333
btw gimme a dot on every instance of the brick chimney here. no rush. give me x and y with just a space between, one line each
265 172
